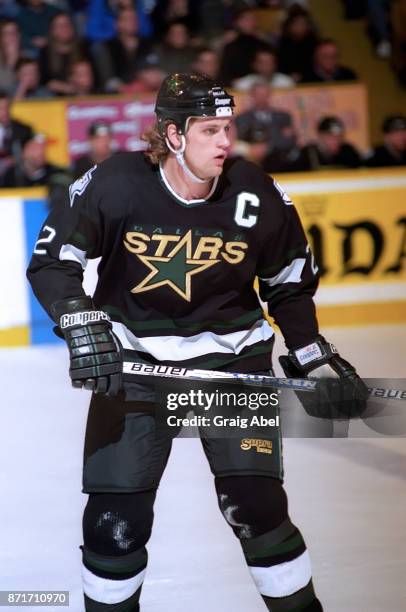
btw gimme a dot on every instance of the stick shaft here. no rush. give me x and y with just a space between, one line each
296 384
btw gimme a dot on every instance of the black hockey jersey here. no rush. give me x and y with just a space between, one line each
176 276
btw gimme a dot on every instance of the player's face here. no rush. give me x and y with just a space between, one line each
207 145
207 63
397 140
34 153
332 142
101 146
264 64
327 57
62 29
260 95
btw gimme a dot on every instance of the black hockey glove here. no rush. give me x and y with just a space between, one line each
341 394
95 352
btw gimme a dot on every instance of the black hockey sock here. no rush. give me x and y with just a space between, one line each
129 605
315 606
113 584
304 600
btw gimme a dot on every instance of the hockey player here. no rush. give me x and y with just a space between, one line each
182 231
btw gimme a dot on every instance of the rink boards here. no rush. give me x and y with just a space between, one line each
356 226
22 319
355 222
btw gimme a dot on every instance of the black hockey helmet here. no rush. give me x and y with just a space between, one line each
182 96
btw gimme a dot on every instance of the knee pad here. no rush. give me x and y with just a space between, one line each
116 528
251 505
118 523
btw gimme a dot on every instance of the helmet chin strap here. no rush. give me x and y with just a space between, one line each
180 158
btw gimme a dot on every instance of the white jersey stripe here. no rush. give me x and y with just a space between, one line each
179 348
69 252
108 591
291 274
283 579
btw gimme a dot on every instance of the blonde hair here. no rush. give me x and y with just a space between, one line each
157 150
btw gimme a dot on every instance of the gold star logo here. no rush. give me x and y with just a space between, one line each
175 270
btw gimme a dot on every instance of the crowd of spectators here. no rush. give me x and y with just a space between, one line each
385 22
111 43
55 48
266 135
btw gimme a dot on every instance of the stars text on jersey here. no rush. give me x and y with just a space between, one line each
173 259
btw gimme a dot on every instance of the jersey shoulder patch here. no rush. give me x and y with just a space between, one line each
79 186
286 199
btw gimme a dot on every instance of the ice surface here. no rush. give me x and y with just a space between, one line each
347 496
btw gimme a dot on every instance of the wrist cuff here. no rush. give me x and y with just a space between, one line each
318 351
79 319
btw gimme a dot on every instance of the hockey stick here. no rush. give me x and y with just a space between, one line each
296 384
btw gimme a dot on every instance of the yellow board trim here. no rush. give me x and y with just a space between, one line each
32 193
15 336
382 313
362 314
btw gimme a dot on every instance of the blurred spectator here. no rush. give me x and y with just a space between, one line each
168 11
100 148
264 66
283 161
61 5
62 49
78 5
207 62
276 124
378 16
101 16
376 12
34 18
326 65
392 152
10 53
212 17
176 53
239 54
398 26
286 4
142 8
296 45
330 148
13 134
28 81
78 10
100 21
148 79
81 78
119 58
31 169
255 146
295 3
354 10
9 9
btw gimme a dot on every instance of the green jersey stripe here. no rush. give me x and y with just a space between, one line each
163 325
